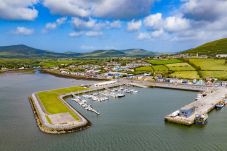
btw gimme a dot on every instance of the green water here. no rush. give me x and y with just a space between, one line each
132 123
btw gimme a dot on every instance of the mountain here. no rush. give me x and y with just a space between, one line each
23 51
211 48
120 53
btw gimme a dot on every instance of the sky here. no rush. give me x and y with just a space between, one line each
86 25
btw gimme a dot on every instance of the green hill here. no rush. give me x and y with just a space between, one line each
120 53
23 51
211 48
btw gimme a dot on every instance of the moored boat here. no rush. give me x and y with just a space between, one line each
220 105
201 119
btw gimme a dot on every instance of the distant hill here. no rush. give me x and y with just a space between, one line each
211 48
23 51
120 53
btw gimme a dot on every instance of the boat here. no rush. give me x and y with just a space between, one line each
220 105
199 96
119 95
201 119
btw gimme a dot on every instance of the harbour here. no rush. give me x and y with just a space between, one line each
134 118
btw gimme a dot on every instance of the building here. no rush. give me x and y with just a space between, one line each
101 84
221 55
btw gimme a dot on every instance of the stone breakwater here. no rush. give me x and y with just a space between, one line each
45 126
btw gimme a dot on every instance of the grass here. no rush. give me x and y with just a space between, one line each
53 105
164 61
221 75
180 67
185 75
144 69
209 64
211 48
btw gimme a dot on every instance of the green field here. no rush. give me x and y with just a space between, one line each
209 64
185 75
163 61
51 102
222 75
141 70
180 67
160 69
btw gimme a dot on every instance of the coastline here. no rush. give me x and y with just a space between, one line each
71 76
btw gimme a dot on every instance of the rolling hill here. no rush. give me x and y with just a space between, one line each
23 51
211 48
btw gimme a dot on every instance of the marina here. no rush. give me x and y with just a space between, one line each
100 96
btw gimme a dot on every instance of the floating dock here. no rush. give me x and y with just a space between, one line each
202 106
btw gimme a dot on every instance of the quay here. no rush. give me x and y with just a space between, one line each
199 107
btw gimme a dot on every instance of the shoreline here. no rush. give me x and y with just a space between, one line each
71 76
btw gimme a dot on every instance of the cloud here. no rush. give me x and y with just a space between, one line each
94 24
23 31
154 21
115 24
143 36
86 33
114 9
54 25
204 9
175 23
134 25
18 9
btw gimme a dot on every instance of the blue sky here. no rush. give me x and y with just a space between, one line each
86 25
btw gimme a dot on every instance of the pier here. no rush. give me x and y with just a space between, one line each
202 106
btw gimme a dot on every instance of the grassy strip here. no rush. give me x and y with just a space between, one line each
48 120
52 103
185 75
164 61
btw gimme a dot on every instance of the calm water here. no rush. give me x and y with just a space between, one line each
132 123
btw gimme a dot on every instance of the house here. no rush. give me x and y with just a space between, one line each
221 55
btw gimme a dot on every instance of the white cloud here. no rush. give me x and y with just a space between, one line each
54 25
94 24
80 24
174 24
93 33
154 21
204 9
86 33
18 9
23 31
143 36
116 9
115 24
134 25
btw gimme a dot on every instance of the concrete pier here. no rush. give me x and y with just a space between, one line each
201 106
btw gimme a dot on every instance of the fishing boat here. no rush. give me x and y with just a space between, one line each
220 105
201 119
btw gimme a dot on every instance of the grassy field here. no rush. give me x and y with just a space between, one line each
209 64
145 69
222 75
160 69
180 67
185 75
51 102
164 61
